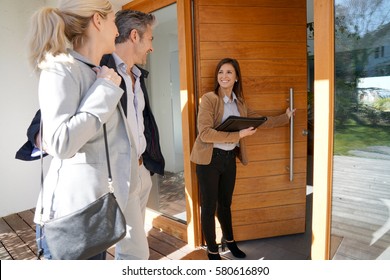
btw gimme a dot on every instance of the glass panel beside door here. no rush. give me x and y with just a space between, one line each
361 171
168 192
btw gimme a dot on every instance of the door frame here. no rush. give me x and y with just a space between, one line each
323 118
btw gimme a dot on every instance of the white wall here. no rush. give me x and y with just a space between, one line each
19 185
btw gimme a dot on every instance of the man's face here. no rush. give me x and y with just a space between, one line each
144 46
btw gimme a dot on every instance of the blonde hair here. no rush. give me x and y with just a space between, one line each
53 30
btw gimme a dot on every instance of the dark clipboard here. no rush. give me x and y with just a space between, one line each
235 123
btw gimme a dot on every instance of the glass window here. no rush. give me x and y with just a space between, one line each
361 174
168 192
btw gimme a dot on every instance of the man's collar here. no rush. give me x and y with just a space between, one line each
118 60
144 72
137 70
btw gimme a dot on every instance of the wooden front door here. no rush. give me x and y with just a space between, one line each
268 38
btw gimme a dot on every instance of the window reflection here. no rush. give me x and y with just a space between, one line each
361 180
167 195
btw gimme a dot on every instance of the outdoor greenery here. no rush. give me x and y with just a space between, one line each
359 125
362 126
354 136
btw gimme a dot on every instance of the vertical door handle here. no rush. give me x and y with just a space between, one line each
292 136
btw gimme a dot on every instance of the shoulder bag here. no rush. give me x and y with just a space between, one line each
88 231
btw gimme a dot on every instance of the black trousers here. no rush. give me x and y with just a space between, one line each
216 183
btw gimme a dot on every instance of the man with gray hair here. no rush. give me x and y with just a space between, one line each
133 45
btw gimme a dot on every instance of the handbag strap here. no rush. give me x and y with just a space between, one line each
40 247
110 187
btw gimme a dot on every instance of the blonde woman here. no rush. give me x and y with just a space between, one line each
76 98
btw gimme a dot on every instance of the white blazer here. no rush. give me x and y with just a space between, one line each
74 106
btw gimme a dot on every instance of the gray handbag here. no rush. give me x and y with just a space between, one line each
88 231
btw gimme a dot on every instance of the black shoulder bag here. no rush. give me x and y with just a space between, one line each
88 231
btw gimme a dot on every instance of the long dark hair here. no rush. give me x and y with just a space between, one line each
237 88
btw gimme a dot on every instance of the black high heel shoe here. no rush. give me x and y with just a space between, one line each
232 246
213 256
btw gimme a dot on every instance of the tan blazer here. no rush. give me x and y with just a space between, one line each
210 116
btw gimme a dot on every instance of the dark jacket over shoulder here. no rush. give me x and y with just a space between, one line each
24 153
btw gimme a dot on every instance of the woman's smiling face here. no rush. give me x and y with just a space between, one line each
226 76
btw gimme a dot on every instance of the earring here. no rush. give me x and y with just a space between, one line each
236 81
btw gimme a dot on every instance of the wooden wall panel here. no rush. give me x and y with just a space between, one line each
269 102
263 85
270 229
269 214
256 68
255 3
275 135
268 183
268 199
250 32
270 168
257 15
256 50
277 151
